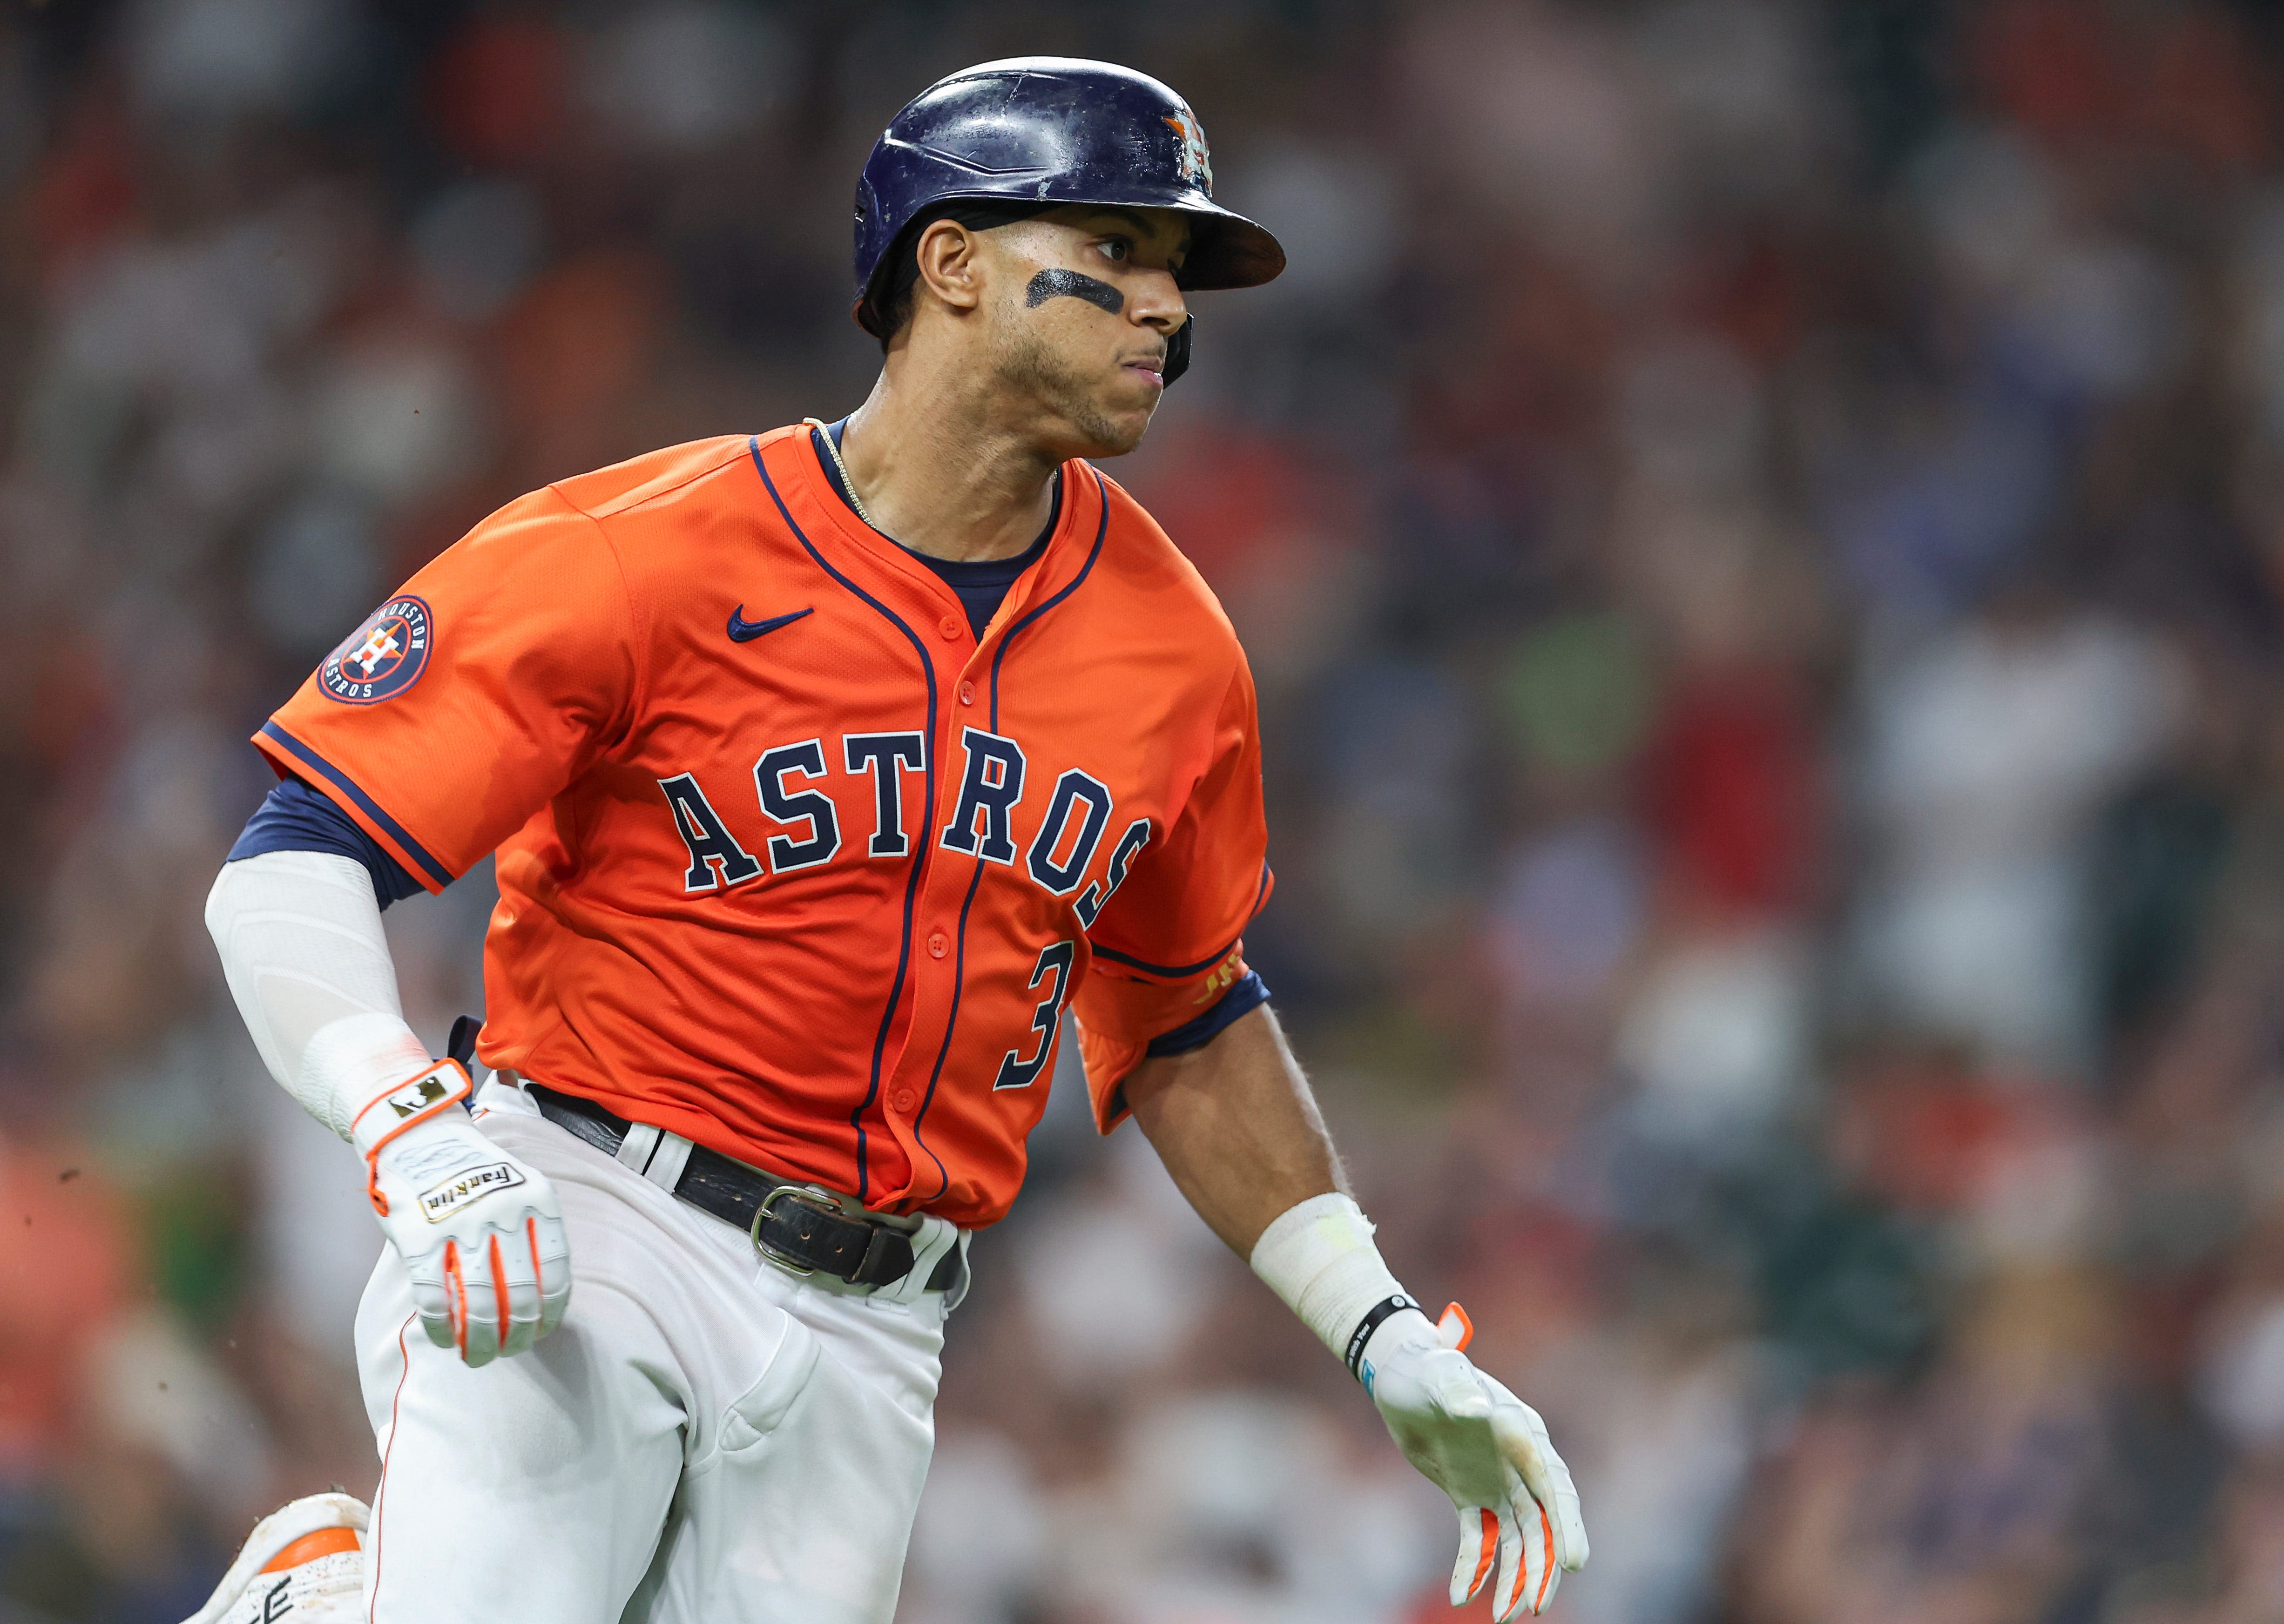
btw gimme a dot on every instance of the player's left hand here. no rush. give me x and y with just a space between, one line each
481 1232
1489 1451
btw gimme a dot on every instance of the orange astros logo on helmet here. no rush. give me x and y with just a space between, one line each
1197 162
382 658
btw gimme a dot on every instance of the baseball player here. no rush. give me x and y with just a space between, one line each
826 769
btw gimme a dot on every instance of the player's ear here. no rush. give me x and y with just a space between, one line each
949 255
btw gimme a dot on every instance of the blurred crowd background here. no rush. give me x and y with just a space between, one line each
1760 527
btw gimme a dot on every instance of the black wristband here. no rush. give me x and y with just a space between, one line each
1371 1322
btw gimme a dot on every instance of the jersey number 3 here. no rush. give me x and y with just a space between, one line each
1014 1071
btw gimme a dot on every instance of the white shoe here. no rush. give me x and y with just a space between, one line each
304 1562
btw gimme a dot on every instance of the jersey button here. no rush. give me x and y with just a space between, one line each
950 627
968 693
903 1101
939 944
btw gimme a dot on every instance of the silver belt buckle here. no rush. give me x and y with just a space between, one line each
823 1200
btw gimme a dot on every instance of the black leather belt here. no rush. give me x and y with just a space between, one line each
791 1223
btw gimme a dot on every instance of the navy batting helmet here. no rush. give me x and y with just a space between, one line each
1033 133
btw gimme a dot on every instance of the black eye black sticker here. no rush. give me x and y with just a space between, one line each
1051 283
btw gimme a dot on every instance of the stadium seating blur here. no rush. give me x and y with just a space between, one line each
1760 527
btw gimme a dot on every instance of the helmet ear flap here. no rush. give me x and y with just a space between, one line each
1177 351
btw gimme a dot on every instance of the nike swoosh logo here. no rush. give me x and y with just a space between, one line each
743 630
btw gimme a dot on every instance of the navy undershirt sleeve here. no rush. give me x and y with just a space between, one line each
1243 997
296 818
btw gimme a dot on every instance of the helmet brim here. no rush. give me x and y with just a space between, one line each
1226 249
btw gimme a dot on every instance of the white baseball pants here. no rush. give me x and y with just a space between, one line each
705 1439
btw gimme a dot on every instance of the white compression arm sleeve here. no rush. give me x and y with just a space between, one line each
308 962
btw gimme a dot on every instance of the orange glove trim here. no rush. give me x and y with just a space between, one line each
415 1100
1490 1549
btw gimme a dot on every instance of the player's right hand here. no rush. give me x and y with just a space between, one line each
481 1233
1489 1451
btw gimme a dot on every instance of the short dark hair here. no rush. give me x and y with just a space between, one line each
888 305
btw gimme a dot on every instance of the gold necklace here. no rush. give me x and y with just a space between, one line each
825 430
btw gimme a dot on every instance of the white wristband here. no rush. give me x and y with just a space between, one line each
353 1061
1319 1257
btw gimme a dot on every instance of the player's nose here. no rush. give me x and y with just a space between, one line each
1155 300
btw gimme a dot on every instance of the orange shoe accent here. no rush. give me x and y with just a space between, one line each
309 1547
1466 1325
1490 1549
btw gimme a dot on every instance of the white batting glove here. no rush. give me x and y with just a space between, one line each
1487 1450
481 1233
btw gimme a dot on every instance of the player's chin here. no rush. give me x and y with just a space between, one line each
1121 416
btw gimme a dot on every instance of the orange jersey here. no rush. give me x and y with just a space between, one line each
789 862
